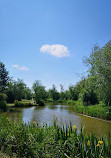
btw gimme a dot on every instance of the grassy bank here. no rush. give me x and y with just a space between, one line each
23 103
98 110
22 140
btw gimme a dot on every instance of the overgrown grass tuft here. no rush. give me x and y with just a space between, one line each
31 140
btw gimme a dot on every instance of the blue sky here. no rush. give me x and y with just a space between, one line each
47 39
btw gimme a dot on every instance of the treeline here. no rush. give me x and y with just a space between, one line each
90 90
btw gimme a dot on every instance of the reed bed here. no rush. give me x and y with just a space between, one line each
18 139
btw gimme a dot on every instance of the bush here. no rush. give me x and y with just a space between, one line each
3 104
109 114
40 103
22 104
70 102
89 98
49 100
19 103
10 97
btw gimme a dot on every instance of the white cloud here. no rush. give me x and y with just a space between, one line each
22 68
55 50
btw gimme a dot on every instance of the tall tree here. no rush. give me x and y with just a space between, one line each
53 93
39 92
19 89
4 77
28 93
16 90
62 94
99 64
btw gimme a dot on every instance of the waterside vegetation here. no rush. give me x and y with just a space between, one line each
18 139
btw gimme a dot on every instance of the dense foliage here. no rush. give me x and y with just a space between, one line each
100 68
4 77
39 92
30 140
3 104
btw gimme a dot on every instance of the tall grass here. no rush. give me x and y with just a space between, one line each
31 140
98 110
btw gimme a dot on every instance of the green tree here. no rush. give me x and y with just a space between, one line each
67 94
4 77
39 92
10 92
19 89
88 92
99 64
74 91
28 93
3 104
62 93
53 93
16 90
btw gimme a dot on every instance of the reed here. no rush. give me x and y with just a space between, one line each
99 110
32 140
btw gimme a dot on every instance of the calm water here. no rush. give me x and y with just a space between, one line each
64 115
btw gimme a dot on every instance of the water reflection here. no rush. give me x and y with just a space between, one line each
14 114
27 114
97 126
64 114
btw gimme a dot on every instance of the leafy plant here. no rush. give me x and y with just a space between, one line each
31 140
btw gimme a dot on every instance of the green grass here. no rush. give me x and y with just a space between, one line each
28 101
10 104
23 103
31 140
99 110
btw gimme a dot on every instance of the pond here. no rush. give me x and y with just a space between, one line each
64 115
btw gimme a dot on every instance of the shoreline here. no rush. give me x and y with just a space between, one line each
94 117
105 120
65 103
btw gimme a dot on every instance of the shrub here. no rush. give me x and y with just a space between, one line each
19 103
3 104
22 104
109 114
40 103
89 98
70 102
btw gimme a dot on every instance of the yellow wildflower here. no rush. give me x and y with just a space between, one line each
98 145
67 134
100 142
34 122
88 143
74 127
